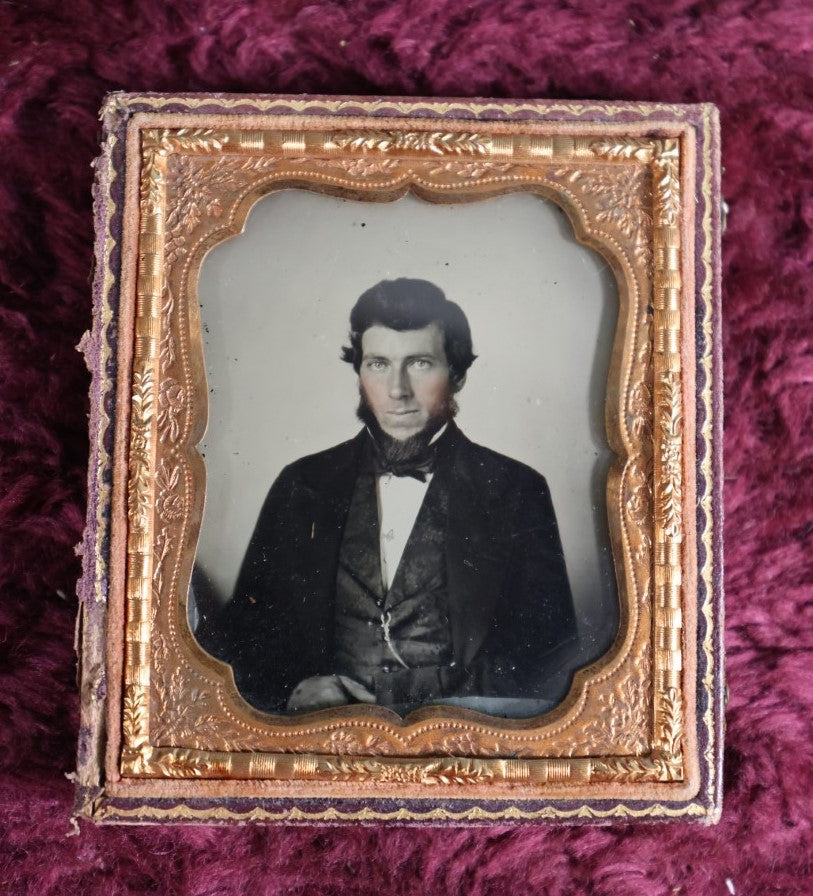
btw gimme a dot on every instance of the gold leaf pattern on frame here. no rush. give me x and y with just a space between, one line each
438 143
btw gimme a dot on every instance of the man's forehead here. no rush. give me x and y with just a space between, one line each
379 339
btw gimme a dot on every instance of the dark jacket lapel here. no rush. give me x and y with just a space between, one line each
476 551
326 491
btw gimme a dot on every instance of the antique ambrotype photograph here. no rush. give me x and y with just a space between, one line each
405 463
364 538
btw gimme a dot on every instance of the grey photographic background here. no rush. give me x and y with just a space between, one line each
275 302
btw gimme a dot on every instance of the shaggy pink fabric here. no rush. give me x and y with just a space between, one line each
754 59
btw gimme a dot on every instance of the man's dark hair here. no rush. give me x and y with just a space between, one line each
406 304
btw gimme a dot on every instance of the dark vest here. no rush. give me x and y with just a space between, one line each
397 643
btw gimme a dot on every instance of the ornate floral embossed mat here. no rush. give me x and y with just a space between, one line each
755 60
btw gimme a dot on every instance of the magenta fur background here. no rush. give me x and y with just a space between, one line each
755 60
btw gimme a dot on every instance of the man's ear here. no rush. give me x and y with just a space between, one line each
458 383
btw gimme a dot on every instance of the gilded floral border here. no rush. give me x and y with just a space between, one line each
162 407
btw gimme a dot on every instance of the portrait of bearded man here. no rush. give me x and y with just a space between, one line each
407 566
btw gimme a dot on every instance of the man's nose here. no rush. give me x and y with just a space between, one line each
399 385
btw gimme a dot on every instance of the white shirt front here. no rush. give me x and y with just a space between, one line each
399 502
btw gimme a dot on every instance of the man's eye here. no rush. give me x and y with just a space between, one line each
376 364
422 363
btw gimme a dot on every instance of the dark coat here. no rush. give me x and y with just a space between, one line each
510 608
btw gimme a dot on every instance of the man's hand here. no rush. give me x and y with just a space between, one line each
322 691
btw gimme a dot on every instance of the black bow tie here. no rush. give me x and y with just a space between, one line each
418 469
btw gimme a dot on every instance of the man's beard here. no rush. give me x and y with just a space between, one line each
404 451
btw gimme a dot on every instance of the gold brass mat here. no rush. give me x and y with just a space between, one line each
623 720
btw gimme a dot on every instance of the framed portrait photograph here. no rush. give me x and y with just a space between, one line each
405 463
